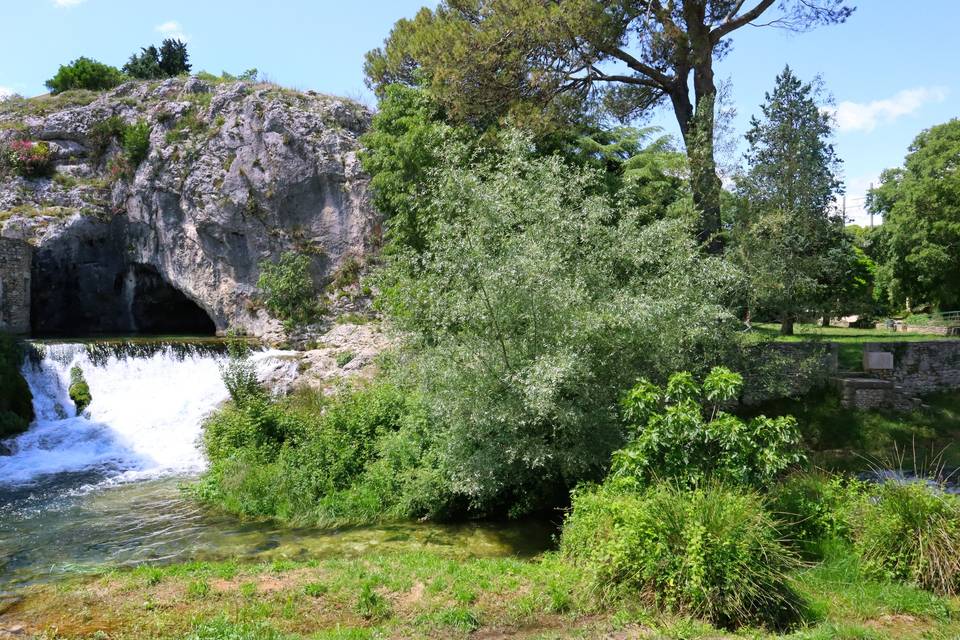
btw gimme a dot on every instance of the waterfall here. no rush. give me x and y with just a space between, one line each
149 402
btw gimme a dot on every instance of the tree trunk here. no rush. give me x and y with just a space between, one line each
786 326
825 321
696 126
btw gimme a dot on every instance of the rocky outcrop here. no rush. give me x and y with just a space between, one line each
235 175
347 352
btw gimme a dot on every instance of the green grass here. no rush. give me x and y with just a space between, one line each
850 341
422 595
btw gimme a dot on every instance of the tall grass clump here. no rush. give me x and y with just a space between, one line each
910 532
814 510
712 552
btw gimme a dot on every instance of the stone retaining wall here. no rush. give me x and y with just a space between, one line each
917 368
15 260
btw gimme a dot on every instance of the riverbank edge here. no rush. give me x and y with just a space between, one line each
436 594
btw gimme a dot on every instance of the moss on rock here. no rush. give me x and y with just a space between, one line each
79 389
16 401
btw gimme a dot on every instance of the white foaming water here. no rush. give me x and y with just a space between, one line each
144 420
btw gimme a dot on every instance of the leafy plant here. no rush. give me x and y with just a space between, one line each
102 134
814 510
136 141
712 552
26 158
371 605
536 302
84 73
16 407
290 292
682 433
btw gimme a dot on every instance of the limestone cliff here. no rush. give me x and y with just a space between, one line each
235 174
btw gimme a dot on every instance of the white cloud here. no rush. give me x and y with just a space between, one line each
860 116
171 29
63 4
6 92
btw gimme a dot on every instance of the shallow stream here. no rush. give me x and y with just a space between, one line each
103 489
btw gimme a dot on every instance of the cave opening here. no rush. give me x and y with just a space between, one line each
157 307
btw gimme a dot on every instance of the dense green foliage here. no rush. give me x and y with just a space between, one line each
104 133
84 73
910 531
79 390
814 510
545 65
538 303
788 232
170 60
136 141
712 552
402 147
290 293
681 433
349 459
16 401
921 225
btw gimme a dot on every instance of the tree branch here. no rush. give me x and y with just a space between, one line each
734 23
663 80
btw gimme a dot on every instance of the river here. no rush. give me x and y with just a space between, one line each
104 489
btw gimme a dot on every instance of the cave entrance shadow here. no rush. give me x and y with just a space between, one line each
159 308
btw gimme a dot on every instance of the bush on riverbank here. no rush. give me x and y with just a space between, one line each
712 552
814 510
682 433
16 401
355 458
910 531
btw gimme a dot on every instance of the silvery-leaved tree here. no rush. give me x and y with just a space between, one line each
544 62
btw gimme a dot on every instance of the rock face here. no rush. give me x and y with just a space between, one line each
235 175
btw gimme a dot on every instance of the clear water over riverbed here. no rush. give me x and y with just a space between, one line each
103 489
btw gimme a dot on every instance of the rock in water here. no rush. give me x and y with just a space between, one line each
235 174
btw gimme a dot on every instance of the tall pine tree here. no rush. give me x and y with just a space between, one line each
789 233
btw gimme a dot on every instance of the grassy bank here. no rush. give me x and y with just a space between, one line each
437 595
849 341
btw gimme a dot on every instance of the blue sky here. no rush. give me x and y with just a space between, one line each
892 69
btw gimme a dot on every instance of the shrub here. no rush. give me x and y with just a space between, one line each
136 141
79 389
682 433
28 159
814 510
240 378
535 304
711 552
294 460
102 134
84 73
291 294
910 531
